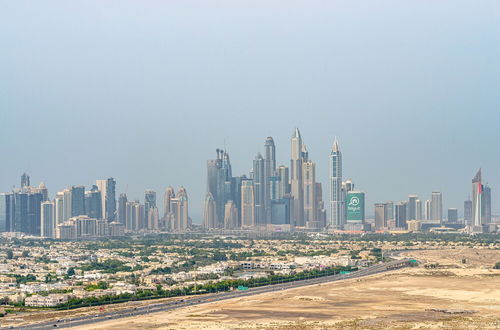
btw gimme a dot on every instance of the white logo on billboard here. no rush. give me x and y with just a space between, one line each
354 201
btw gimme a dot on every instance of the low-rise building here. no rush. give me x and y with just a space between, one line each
51 300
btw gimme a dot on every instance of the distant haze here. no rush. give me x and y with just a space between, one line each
145 91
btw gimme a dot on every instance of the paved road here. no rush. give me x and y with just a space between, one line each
207 298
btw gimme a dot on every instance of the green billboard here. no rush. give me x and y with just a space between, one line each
355 205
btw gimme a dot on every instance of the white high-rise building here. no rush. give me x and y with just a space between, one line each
296 180
209 212
269 172
418 205
427 210
59 208
477 191
310 202
436 206
247 203
107 188
335 220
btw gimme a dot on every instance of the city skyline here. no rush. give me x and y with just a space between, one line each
144 110
266 180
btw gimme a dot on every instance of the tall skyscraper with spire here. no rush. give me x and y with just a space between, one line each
296 180
220 183
335 220
269 172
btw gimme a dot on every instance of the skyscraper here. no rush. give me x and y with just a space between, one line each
47 223
149 203
107 188
412 207
486 205
230 215
131 219
247 203
182 215
336 203
259 189
220 183
400 215
209 212
320 206
437 206
25 180
452 215
44 191
280 210
477 191
310 202
152 218
427 210
59 208
122 208
380 216
27 211
468 212
296 179
77 200
269 172
284 182
6 211
481 201
167 198
390 210
20 219
135 219
418 205
93 203
66 204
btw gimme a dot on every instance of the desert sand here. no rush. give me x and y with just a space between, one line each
455 295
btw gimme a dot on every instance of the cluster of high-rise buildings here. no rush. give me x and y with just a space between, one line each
270 197
392 215
77 213
279 195
290 195
413 213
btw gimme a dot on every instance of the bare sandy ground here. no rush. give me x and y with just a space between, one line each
416 298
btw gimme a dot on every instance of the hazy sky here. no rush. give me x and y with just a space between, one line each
145 91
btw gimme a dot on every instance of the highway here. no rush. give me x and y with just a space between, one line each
208 298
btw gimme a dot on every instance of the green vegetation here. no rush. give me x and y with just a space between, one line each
110 267
99 286
20 279
377 252
200 289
